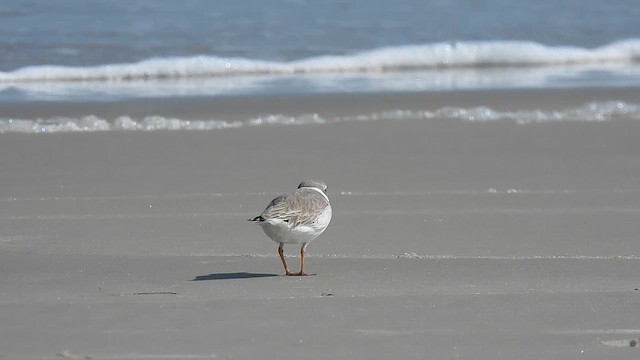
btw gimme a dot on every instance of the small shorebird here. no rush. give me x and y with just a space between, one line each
297 218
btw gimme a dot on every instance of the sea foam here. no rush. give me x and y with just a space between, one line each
481 54
592 112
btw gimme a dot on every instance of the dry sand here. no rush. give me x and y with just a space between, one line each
450 239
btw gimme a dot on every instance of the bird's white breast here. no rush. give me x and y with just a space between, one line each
280 231
324 219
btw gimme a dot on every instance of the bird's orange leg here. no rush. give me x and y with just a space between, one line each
302 249
281 253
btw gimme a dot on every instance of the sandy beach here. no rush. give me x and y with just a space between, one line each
450 238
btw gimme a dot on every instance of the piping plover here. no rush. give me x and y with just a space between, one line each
297 218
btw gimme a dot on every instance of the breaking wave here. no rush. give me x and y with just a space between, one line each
482 54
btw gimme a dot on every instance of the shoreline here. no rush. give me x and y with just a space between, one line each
243 107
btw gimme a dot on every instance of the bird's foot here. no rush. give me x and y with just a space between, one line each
300 274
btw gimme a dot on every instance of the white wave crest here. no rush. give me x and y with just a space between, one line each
389 59
92 123
592 112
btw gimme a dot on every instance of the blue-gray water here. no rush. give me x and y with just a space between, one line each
113 50
140 40
84 32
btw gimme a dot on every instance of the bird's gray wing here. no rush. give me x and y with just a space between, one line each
300 208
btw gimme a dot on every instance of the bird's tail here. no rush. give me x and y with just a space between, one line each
257 219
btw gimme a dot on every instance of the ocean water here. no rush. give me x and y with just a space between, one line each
82 33
97 50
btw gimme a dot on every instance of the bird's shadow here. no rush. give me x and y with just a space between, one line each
231 276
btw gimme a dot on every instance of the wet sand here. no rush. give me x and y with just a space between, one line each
449 238
232 108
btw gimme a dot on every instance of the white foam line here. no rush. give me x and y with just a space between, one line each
427 212
601 331
134 197
124 216
488 192
494 211
155 356
400 212
384 332
535 257
414 256
587 113
510 191
68 355
466 55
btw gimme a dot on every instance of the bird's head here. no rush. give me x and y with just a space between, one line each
314 184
